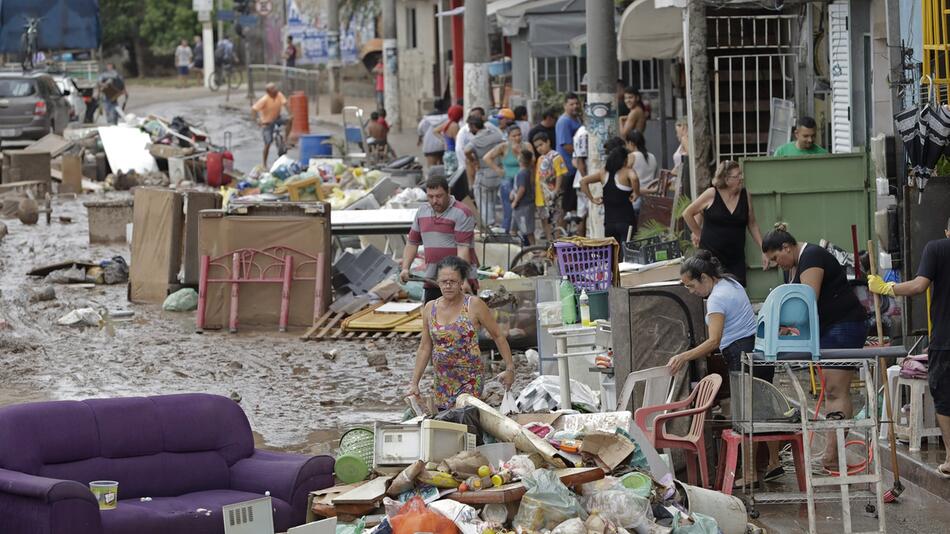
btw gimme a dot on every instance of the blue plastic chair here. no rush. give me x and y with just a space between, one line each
789 305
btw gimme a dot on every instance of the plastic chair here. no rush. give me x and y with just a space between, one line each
657 389
729 458
791 305
693 442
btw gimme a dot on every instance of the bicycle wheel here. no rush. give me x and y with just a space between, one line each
279 141
235 79
536 255
214 82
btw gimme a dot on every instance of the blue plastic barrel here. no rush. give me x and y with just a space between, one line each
315 146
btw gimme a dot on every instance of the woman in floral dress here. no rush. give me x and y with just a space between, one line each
450 339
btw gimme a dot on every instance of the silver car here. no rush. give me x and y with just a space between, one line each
31 106
77 105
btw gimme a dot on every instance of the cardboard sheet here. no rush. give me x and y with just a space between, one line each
259 304
156 243
127 149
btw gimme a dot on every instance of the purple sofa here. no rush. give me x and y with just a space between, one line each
184 451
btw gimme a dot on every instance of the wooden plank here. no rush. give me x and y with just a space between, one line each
514 491
316 326
369 493
330 325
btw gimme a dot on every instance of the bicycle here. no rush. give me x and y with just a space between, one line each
28 42
226 76
280 143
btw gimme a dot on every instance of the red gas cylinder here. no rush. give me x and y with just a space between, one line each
217 163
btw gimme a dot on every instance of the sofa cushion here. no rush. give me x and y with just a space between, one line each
180 515
127 427
200 422
158 475
38 433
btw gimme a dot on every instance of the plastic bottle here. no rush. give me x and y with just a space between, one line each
584 302
568 302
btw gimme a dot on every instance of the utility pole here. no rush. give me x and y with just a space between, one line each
697 89
600 110
476 55
390 64
220 22
458 53
333 47
203 7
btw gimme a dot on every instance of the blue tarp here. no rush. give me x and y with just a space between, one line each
65 24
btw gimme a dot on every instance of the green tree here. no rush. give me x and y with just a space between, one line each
146 29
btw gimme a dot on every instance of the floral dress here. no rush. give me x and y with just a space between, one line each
456 357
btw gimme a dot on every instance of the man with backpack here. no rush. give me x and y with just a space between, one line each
111 87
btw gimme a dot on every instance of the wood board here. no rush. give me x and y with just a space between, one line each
368 493
571 476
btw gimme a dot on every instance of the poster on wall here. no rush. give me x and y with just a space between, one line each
309 30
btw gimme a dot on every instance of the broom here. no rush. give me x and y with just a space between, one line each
892 494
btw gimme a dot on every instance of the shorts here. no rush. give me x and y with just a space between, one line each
522 219
183 70
733 355
938 373
844 335
268 129
437 154
583 203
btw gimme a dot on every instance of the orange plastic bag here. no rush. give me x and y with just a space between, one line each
415 517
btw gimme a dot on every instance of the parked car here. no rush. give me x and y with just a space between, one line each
75 95
31 106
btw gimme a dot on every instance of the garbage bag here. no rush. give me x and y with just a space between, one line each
115 271
571 526
80 317
351 528
701 524
508 403
468 416
620 506
547 503
415 517
544 394
464 516
181 300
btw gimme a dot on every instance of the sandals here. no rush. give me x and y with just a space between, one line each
774 474
944 470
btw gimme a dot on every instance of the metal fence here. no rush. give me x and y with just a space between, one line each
288 79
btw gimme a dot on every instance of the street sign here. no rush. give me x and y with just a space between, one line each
225 15
264 7
202 5
247 20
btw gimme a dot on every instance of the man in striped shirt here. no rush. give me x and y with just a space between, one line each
444 227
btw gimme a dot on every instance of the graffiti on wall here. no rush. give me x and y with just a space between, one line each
315 41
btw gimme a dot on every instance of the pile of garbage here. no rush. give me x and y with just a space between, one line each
473 470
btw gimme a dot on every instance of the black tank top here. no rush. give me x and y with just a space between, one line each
617 206
724 233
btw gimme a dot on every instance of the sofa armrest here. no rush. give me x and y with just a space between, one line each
30 504
47 490
289 477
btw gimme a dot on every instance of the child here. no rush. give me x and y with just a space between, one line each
522 198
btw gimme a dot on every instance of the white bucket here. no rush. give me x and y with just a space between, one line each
728 511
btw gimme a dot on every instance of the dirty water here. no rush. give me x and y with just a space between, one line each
295 397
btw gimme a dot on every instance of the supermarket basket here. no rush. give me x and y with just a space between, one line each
588 268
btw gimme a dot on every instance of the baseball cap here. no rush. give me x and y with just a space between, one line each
505 113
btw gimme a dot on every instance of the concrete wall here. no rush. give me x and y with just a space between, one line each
416 65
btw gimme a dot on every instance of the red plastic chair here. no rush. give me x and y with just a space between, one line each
693 443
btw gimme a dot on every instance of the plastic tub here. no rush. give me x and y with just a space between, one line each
497 453
106 492
639 483
314 146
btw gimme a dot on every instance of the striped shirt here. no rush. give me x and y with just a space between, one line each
441 234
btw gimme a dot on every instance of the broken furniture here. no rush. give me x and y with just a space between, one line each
291 226
274 265
26 165
184 452
108 220
869 476
729 457
658 388
567 338
693 443
156 244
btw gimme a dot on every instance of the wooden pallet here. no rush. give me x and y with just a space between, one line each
330 327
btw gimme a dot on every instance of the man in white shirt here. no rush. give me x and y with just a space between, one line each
464 137
580 170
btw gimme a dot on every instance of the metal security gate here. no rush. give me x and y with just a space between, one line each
755 58
743 89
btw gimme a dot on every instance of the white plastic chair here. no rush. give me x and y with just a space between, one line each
659 387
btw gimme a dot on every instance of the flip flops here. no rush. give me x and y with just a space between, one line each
944 470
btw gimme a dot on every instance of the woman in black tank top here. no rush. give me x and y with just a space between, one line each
620 184
727 213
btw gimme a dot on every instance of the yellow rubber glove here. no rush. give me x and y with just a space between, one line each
877 285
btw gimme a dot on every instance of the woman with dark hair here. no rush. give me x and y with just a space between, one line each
643 164
730 322
720 217
503 159
450 339
449 129
637 118
620 188
841 316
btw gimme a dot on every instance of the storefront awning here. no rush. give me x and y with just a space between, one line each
650 32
